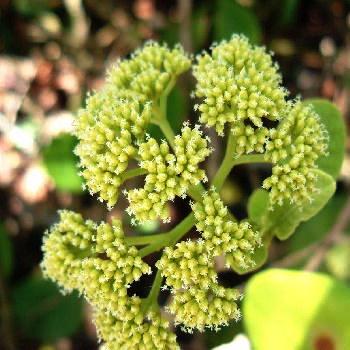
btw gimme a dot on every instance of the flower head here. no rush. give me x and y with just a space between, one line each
95 260
238 82
221 234
142 332
151 70
169 174
294 147
108 130
197 308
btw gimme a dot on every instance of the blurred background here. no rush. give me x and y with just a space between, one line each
52 52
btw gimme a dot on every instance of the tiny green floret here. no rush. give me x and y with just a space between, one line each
239 92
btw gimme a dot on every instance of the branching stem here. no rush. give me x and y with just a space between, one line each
170 238
230 161
151 300
159 241
133 173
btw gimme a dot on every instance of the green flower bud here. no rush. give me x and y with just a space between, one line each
222 236
187 264
248 140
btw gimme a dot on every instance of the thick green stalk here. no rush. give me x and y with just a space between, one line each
133 173
169 238
230 161
145 239
151 300
167 131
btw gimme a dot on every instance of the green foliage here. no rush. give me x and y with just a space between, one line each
334 123
43 312
317 227
283 220
295 310
231 17
6 252
62 164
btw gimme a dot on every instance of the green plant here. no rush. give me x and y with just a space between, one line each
239 88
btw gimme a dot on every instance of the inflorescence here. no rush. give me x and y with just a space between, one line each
239 89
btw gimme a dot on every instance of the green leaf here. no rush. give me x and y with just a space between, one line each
257 209
61 163
258 204
334 123
296 310
32 8
230 17
6 252
317 227
42 312
259 256
283 220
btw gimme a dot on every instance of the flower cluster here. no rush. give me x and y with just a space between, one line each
293 148
141 332
115 119
94 260
108 130
198 300
197 308
188 263
239 87
222 235
150 71
238 83
169 174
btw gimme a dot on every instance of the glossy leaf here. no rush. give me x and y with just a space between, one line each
231 17
317 227
61 163
259 257
257 206
42 312
285 219
334 123
296 310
